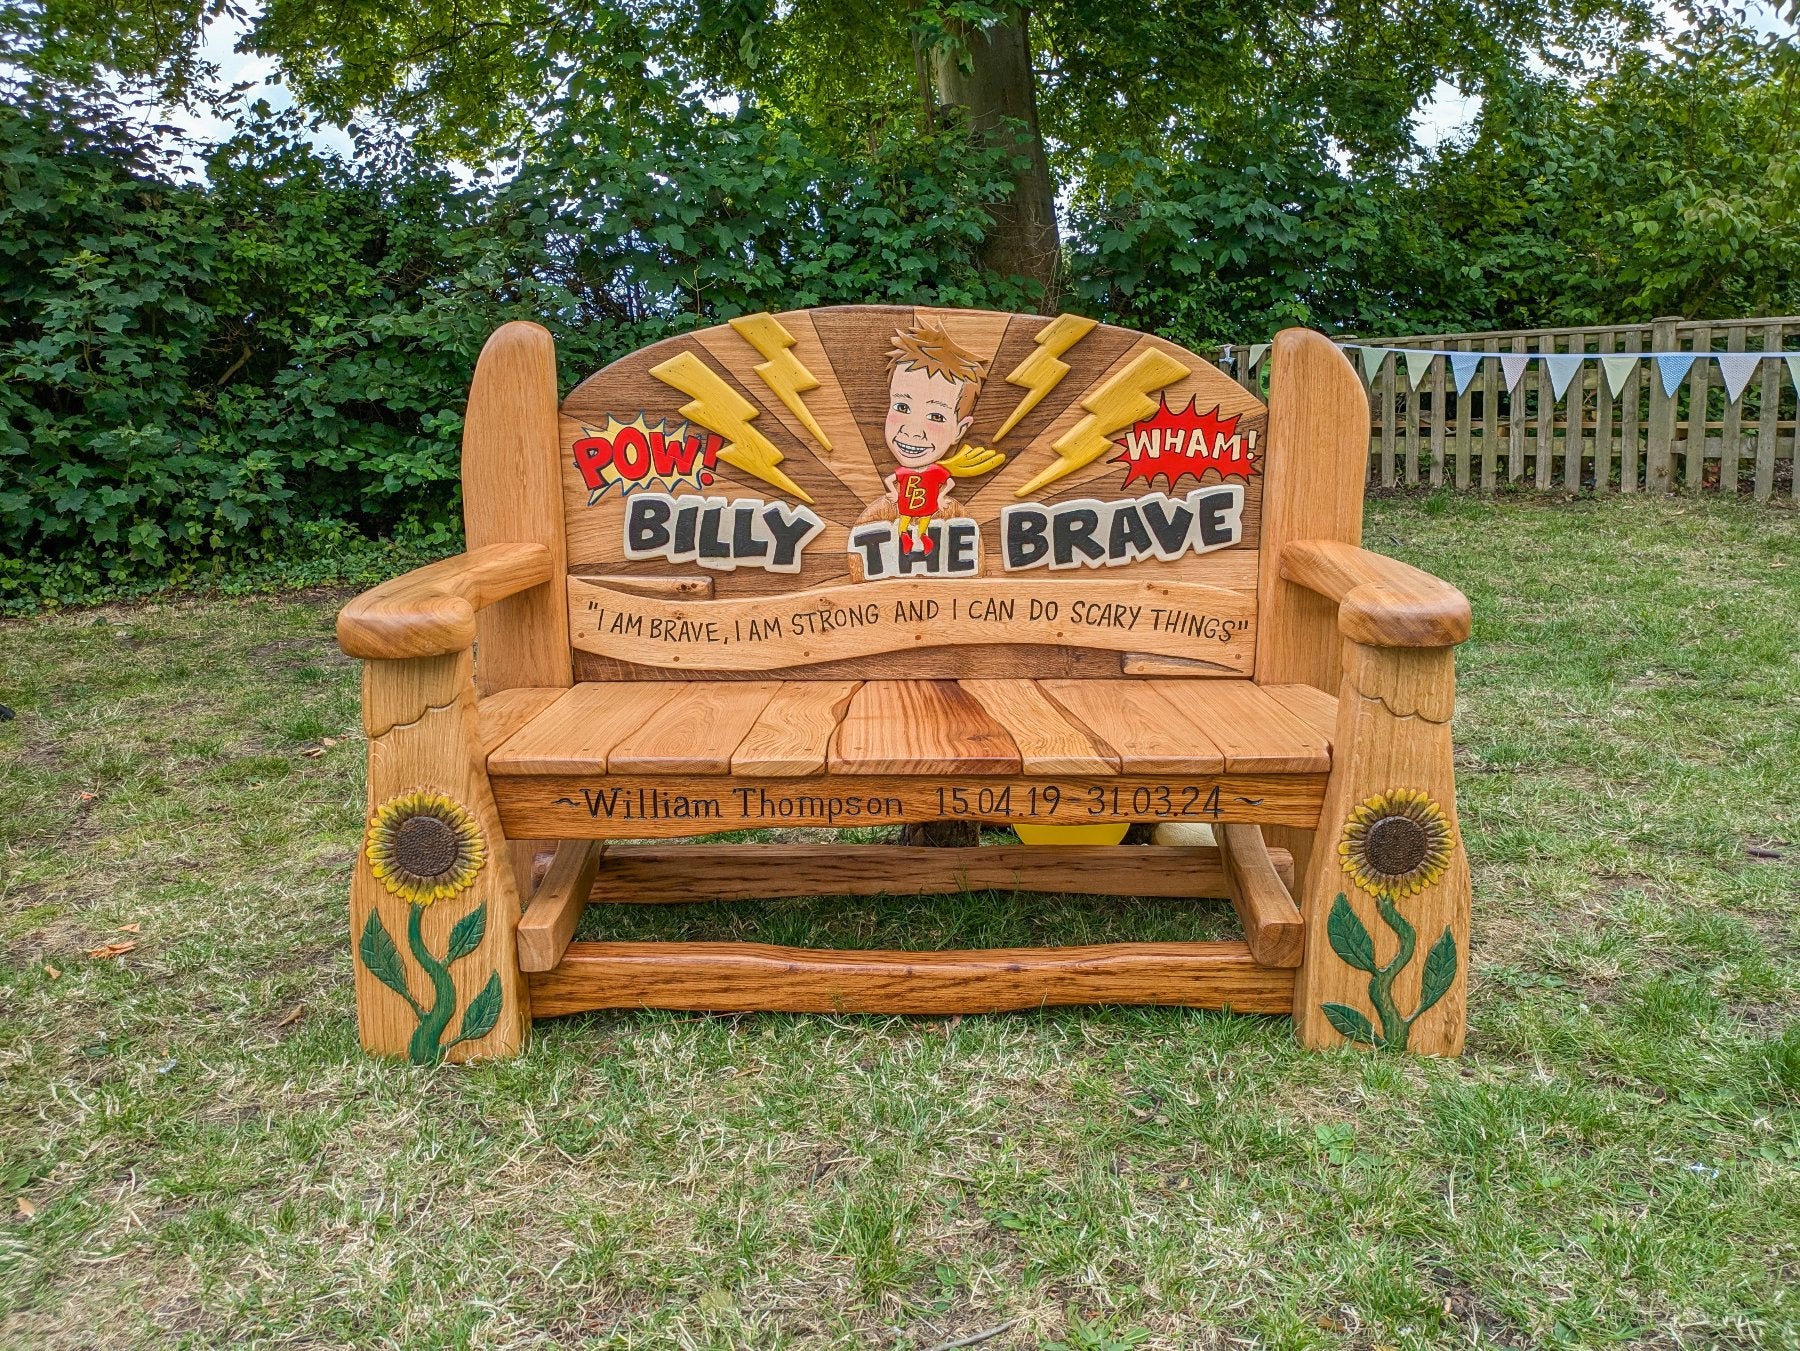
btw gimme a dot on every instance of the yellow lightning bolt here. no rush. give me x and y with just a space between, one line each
1122 400
1041 372
719 408
782 372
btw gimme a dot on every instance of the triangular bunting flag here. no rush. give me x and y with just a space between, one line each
1372 357
1512 366
1674 367
1418 364
1617 368
1562 368
1793 365
1257 349
1463 366
1735 369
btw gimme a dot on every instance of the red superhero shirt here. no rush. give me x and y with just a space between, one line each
917 490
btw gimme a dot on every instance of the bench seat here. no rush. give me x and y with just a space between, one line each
802 728
660 759
801 575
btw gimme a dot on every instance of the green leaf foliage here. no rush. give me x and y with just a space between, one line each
1439 974
196 376
1349 938
483 1012
382 958
467 933
1352 1024
217 357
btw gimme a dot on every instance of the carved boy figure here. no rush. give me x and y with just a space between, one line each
933 385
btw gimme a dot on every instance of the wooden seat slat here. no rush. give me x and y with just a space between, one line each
792 734
1254 732
920 727
1313 707
577 732
1049 741
1149 736
695 733
793 729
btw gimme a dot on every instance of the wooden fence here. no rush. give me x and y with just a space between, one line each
1640 439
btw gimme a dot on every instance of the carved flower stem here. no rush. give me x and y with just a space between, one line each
1394 1027
425 1048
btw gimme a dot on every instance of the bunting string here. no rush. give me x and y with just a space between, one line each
1736 369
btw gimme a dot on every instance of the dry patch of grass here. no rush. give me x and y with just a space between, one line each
194 1152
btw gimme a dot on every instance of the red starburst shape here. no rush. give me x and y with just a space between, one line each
1173 442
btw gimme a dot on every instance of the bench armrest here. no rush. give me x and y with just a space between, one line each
1382 602
430 611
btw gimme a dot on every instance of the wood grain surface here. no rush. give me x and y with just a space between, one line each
920 727
550 920
791 734
665 806
1112 613
511 480
1265 905
635 874
749 977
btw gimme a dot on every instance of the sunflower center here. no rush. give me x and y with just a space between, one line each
1396 845
426 846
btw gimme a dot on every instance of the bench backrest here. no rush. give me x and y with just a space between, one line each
743 501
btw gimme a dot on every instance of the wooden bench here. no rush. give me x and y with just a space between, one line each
873 566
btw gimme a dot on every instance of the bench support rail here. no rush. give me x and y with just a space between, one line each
758 977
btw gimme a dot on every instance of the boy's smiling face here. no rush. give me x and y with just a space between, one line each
922 422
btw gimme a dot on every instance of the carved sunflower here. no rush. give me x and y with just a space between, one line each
423 847
1396 843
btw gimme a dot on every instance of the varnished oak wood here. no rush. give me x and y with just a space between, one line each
1264 905
1251 730
505 712
511 472
694 734
920 727
754 977
1381 747
430 611
1129 717
901 615
555 910
1048 740
1381 602
431 742
656 806
577 733
661 874
1313 490
1313 708
1302 676
793 732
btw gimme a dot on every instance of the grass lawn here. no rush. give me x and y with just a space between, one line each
194 1152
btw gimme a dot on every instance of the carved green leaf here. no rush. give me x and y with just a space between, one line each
382 958
1349 939
466 936
483 1011
1440 972
1352 1024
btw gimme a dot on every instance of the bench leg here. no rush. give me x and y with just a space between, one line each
434 903
1386 897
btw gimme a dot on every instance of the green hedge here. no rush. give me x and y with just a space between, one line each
195 379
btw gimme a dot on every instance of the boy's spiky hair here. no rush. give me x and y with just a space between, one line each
928 348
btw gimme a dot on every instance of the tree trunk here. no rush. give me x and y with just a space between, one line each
999 88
